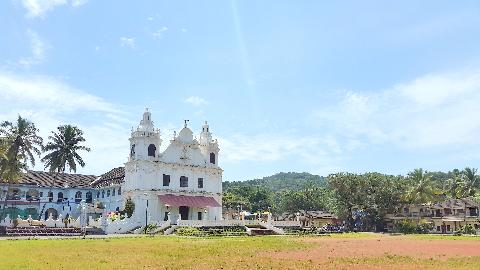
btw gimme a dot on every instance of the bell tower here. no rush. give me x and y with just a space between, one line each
209 146
145 141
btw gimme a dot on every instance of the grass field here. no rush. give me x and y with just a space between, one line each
362 251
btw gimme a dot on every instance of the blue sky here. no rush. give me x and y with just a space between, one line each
285 85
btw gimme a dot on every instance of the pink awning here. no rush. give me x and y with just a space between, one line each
192 201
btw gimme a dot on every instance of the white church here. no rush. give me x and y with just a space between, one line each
184 182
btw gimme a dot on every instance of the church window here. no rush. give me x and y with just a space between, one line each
98 194
50 196
212 158
119 191
132 151
200 182
183 181
166 180
108 193
151 150
113 192
199 215
103 194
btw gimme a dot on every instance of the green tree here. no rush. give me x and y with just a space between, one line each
422 188
19 143
453 185
63 149
129 207
470 182
232 201
365 199
308 199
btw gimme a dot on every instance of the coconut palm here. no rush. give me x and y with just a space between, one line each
423 189
454 184
470 183
63 149
20 143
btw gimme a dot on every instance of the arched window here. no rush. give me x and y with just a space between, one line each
108 193
212 158
78 196
132 150
88 197
113 192
103 194
60 197
183 181
98 194
151 150
50 196
119 191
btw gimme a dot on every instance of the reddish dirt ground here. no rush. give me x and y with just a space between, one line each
328 249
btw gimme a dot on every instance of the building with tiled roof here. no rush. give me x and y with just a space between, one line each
445 217
184 181
39 194
113 177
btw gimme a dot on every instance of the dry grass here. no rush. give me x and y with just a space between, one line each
215 253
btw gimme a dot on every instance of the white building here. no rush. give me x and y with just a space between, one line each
184 181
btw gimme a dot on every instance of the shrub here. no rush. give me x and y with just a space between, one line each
129 207
467 229
411 227
151 228
188 231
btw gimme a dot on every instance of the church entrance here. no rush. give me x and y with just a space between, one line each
183 210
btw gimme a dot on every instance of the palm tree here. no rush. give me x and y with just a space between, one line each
423 189
454 185
19 144
470 183
63 148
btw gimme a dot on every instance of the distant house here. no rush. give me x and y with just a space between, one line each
311 218
446 217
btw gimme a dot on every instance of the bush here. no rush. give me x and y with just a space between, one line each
467 229
188 231
151 228
411 227
129 207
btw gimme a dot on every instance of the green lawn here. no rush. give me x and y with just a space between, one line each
203 253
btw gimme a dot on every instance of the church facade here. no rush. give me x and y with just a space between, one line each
183 182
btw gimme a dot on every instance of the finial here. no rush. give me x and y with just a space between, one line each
186 122
146 109
206 123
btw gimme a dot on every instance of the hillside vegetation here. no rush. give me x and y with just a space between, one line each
281 181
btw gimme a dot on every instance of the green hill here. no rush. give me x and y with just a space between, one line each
280 181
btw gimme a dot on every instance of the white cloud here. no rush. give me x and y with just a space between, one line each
49 102
323 151
196 101
128 42
38 49
38 8
160 32
432 111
